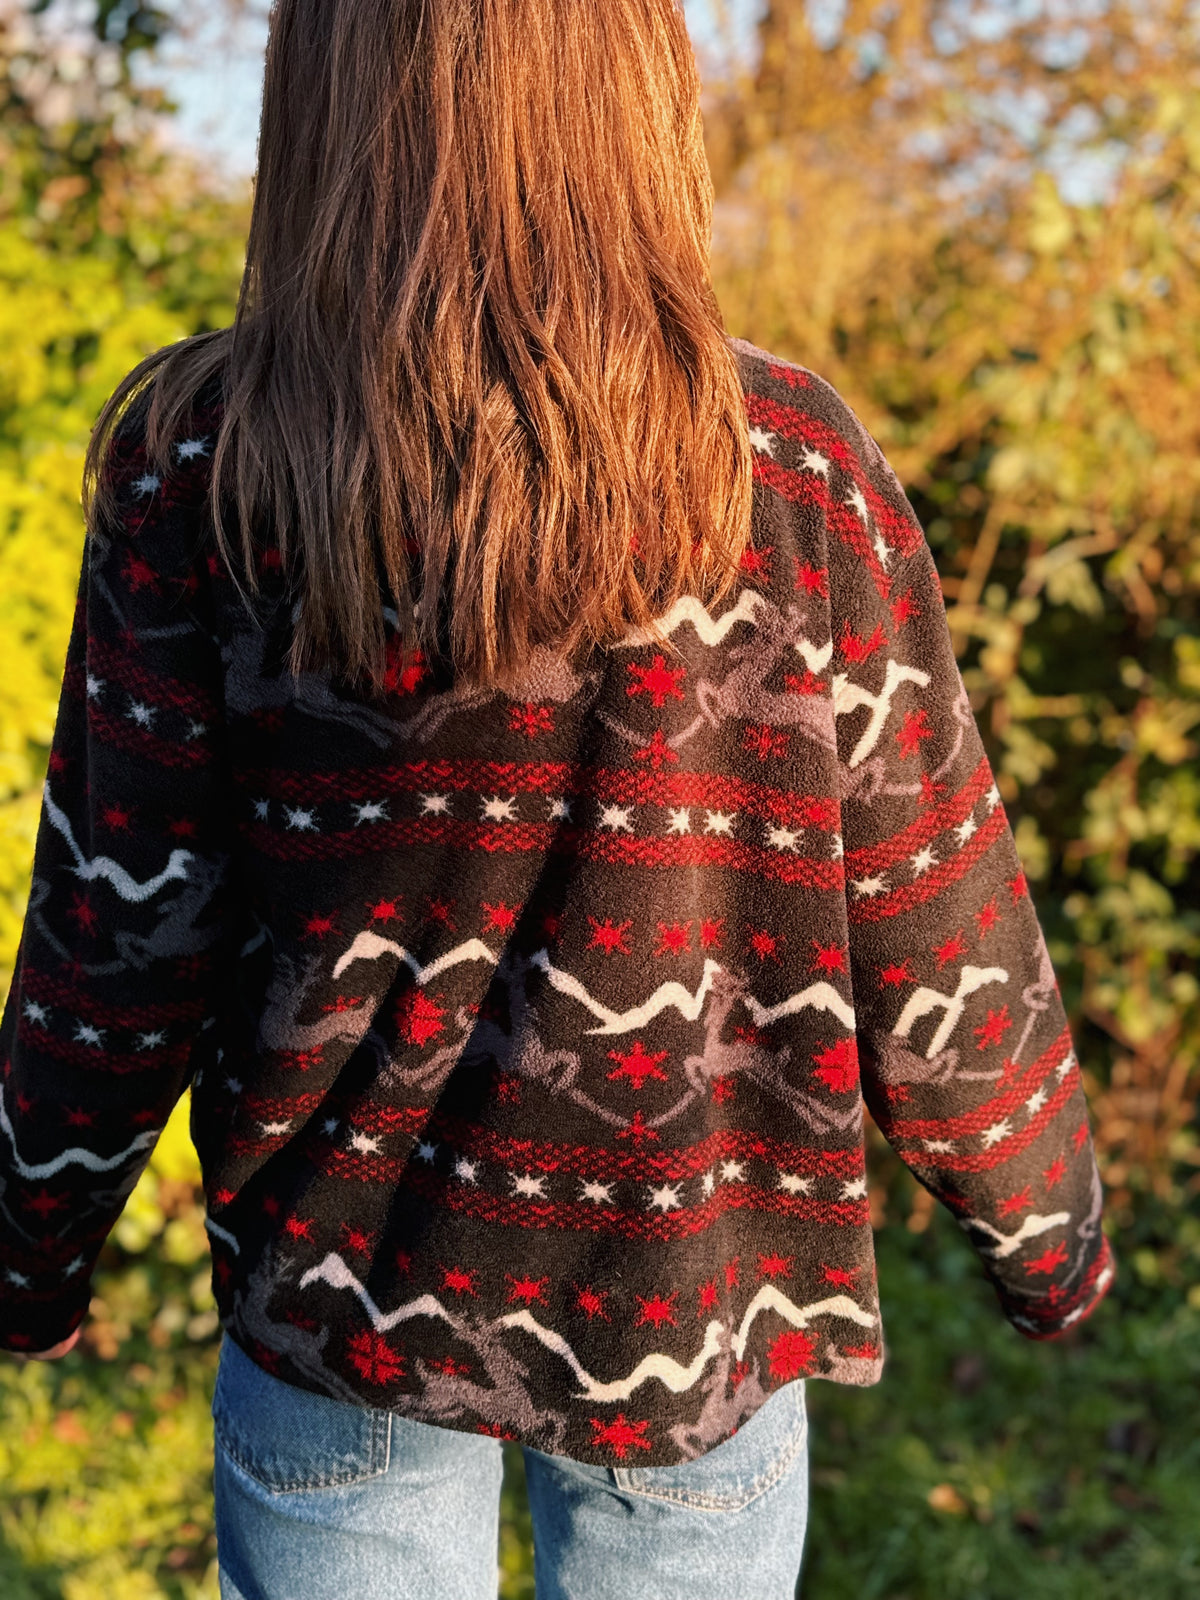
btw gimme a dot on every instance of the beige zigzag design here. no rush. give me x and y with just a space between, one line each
370 946
334 1271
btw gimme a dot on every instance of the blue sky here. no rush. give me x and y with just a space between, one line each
216 80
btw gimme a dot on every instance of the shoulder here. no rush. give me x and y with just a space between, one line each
781 388
155 479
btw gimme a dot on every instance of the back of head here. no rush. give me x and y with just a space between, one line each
477 366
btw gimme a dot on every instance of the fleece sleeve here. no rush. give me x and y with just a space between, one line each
120 951
967 1060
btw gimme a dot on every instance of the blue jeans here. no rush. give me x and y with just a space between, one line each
320 1500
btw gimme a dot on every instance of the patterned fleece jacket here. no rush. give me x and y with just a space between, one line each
529 1034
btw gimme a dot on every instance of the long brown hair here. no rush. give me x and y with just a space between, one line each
477 366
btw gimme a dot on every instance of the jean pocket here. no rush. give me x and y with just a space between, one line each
290 1439
736 1472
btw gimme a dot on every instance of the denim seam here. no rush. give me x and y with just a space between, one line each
700 1501
329 1480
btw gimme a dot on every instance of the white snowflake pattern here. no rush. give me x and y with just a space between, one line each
665 1198
837 848
272 1130
869 886
371 811
141 713
732 1172
560 810
426 1151
365 1143
234 1085
813 461
938 1147
616 818
189 449
435 805
992 798
94 685
146 485
1036 1101
260 810
719 822
35 1012
998 1131
922 860
598 1193
468 1171
498 809
679 820
300 817
85 1033
793 1183
857 501
782 838
708 1183
855 1189
965 829
331 1125
762 441
151 1040
528 1186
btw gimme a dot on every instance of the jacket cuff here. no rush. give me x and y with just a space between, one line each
1058 1312
33 1322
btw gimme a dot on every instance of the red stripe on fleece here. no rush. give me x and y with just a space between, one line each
716 791
465 1198
900 531
872 857
50 991
1013 1144
931 883
582 843
990 1111
806 488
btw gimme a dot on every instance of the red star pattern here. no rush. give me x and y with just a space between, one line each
528 1290
829 958
913 729
658 752
419 1017
812 580
790 1355
950 949
501 918
774 1266
674 939
610 937
637 1066
620 1436
993 1030
658 680
837 1066
373 1358
591 1302
657 1309
530 720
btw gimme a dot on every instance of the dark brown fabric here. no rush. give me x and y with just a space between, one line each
528 1035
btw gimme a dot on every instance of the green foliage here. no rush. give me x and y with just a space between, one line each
1031 368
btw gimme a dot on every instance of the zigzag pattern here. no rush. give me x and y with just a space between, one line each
529 1031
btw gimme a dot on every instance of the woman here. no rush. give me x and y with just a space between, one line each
511 763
